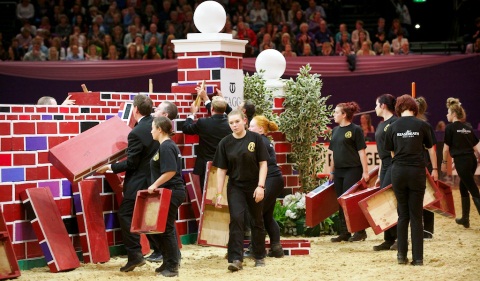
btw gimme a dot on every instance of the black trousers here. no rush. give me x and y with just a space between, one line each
239 200
273 188
344 179
131 241
168 240
466 166
390 234
409 183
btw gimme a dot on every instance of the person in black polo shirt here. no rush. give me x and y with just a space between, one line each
461 143
406 138
242 156
349 163
166 168
385 108
274 183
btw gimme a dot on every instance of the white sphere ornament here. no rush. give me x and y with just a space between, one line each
273 62
210 17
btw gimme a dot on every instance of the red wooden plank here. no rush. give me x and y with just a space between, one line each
150 211
8 261
380 208
57 246
77 157
445 205
354 217
320 203
97 244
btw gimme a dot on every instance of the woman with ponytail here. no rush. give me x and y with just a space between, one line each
349 161
461 143
273 185
166 169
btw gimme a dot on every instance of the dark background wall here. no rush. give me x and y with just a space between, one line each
459 78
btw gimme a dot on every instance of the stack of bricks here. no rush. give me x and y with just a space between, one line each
27 132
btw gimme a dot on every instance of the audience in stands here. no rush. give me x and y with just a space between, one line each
266 24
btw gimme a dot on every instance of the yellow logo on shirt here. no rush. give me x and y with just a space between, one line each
348 134
251 147
386 127
156 157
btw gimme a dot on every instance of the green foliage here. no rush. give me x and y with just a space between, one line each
304 120
255 91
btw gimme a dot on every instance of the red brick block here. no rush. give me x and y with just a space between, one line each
181 76
184 63
23 128
5 129
283 147
20 159
64 206
13 212
52 109
79 156
33 250
20 251
185 212
72 128
186 150
292 181
57 246
42 157
6 159
16 109
198 75
189 163
18 144
231 63
190 89
55 173
281 158
19 188
181 227
47 128
299 252
6 144
278 102
198 54
6 193
54 141
191 139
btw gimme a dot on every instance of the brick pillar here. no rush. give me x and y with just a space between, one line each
215 58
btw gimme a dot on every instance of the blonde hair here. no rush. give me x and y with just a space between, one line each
455 106
265 124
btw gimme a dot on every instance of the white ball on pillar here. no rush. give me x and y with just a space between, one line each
273 62
210 17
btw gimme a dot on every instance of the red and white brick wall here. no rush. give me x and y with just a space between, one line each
27 132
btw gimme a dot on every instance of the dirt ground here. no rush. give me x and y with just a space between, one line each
452 254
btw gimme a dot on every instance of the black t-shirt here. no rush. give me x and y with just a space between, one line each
273 169
407 138
346 143
241 157
167 159
460 138
380 137
428 162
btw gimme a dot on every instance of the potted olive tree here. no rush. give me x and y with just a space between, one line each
303 122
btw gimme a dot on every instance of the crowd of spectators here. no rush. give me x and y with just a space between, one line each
76 30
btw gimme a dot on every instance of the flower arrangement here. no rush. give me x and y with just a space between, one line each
290 214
